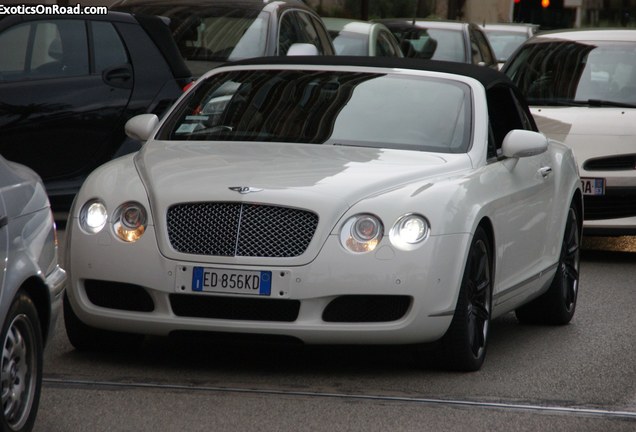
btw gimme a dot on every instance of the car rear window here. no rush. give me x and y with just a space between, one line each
326 107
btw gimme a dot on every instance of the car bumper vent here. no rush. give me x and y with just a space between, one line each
366 308
240 229
116 295
234 308
616 203
614 163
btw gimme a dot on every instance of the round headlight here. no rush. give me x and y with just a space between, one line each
93 216
129 221
361 233
409 231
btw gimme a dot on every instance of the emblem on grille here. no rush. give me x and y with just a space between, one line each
244 189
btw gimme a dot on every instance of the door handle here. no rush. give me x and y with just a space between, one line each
119 76
545 171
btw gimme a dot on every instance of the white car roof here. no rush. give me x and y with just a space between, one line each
624 35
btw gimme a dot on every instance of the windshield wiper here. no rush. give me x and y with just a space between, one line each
606 103
574 103
554 102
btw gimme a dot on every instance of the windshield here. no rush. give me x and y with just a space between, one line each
573 73
326 107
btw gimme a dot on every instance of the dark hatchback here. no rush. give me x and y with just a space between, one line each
69 83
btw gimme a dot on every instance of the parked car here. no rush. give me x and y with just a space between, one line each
362 38
32 284
453 41
211 32
345 200
69 83
581 85
505 38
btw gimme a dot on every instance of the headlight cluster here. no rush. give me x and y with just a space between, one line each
129 220
362 233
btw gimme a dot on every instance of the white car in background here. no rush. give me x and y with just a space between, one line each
505 38
32 284
581 87
339 200
362 38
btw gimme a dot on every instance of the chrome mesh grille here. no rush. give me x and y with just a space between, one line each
240 229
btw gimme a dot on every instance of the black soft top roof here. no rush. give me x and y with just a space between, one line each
486 76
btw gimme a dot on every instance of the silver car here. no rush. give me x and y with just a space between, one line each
31 291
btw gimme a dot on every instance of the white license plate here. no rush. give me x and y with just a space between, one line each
258 283
593 186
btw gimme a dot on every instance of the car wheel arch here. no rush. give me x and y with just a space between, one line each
35 288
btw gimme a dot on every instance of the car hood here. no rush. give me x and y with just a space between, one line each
326 180
591 132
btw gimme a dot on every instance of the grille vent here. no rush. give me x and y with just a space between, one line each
240 229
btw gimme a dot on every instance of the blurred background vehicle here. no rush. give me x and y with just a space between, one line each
69 83
505 38
211 32
581 86
362 38
453 41
32 286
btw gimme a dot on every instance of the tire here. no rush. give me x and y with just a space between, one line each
87 338
557 305
21 365
463 347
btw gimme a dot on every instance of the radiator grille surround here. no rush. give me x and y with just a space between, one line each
240 229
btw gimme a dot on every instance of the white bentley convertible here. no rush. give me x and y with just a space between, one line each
332 200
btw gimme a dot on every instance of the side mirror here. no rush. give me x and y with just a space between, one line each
302 49
520 143
141 126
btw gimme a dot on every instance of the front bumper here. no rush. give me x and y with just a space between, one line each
613 213
120 277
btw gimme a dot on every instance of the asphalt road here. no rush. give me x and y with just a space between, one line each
580 377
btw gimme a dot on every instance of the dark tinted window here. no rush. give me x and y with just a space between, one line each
44 49
384 47
108 47
505 114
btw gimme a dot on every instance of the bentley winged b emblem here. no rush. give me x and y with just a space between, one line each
244 189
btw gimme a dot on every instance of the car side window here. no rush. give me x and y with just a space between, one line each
286 33
504 115
108 47
383 46
45 49
308 31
